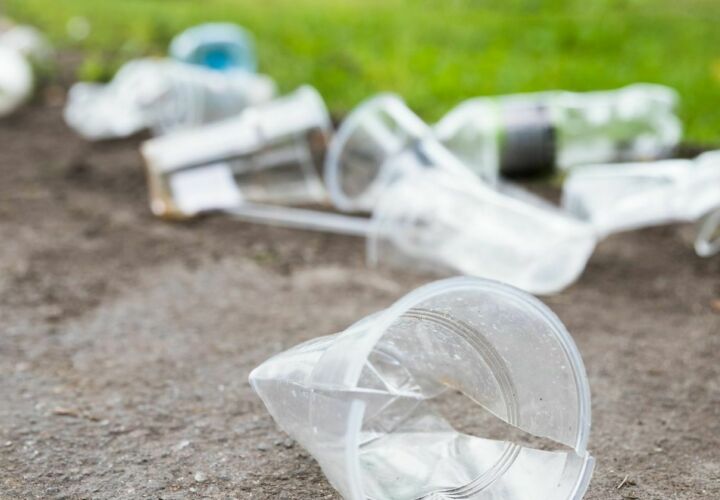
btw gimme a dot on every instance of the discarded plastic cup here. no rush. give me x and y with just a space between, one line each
621 197
16 80
433 220
529 133
379 140
463 389
163 95
270 153
218 46
707 243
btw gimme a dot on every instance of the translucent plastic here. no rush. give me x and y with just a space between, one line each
526 133
29 42
463 389
619 197
163 95
16 80
218 46
448 223
364 153
271 153
707 243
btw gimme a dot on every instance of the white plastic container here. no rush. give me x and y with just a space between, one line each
270 153
621 197
16 80
527 133
163 95
384 406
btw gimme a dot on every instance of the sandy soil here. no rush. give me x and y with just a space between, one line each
126 341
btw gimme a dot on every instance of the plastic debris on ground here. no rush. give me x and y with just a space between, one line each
163 95
218 46
620 197
378 405
25 56
531 133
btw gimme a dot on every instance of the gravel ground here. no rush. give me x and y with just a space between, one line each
126 341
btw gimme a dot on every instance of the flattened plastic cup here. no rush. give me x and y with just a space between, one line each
217 46
448 224
271 153
402 404
623 196
362 155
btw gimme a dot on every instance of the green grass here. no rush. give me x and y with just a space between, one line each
433 53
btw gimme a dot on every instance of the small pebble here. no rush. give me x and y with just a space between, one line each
262 447
200 477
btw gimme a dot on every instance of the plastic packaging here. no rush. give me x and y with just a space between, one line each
463 389
270 153
381 139
450 224
528 133
29 42
707 243
163 95
218 46
16 80
620 197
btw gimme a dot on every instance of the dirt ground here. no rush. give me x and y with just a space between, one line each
126 341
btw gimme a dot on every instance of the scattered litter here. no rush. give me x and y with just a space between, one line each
163 95
621 197
270 153
16 80
707 242
218 46
528 133
364 400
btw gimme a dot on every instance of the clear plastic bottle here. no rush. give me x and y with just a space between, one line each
218 46
528 133
463 389
163 95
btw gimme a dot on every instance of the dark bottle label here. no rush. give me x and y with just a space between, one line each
528 143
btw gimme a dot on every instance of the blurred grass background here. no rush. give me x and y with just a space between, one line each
434 53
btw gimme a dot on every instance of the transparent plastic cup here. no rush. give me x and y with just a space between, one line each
621 197
16 80
218 46
707 243
271 153
379 140
445 223
163 95
530 133
463 389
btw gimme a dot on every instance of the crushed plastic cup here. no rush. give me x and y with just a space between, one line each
621 197
449 224
163 95
707 242
16 80
530 133
218 46
270 153
381 139
463 389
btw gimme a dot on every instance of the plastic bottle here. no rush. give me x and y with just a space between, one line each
217 46
530 133
163 95
270 153
446 394
620 197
